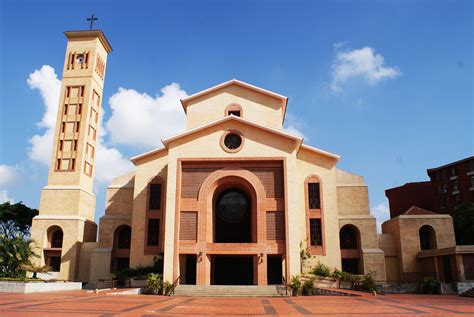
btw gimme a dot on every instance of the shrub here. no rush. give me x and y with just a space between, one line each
295 285
369 281
336 273
307 288
429 285
167 286
140 271
321 270
154 284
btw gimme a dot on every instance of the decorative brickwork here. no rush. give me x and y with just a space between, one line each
188 226
275 225
271 178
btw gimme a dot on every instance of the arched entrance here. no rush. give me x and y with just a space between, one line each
121 248
232 222
349 238
232 217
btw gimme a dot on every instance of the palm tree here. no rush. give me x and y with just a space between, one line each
15 253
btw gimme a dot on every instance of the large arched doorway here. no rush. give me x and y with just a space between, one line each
349 239
232 217
53 251
232 224
121 248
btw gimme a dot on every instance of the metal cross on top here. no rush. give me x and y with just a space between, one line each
92 19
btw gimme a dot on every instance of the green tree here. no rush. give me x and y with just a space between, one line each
15 219
464 224
15 254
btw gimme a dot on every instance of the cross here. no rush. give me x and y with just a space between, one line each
92 19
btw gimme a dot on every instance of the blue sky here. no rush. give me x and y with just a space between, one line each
385 84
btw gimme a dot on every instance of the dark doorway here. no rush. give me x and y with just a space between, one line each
190 276
55 263
232 270
232 217
350 266
122 264
274 269
447 269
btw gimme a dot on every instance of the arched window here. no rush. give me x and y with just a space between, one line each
56 238
314 215
233 109
348 237
124 237
427 238
154 215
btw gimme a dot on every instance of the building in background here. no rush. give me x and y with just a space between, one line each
404 197
450 186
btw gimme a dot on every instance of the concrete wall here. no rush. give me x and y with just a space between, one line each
35 287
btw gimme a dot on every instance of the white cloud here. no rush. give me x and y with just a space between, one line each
381 212
4 196
109 163
359 63
140 119
294 125
47 83
8 176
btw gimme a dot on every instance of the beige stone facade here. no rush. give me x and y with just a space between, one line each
231 200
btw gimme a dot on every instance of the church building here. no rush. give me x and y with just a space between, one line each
231 200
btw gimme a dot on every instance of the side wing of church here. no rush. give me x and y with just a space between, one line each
231 200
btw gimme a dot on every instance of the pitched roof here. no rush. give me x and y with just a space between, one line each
230 118
414 210
283 99
298 139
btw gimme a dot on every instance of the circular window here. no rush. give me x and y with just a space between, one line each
232 141
232 205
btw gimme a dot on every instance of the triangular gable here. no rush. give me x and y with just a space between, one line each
297 139
415 210
283 99
166 141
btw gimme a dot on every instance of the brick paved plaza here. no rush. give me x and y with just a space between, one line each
76 303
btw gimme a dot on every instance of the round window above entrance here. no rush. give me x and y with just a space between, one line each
232 141
232 206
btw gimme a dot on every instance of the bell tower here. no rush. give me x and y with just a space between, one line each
67 206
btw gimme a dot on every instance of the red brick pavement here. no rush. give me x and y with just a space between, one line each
82 303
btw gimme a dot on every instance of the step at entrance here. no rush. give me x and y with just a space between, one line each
230 290
468 293
448 289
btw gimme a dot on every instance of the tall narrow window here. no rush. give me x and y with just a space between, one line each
79 108
153 232
313 196
316 235
155 197
78 124
63 127
65 109
60 145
